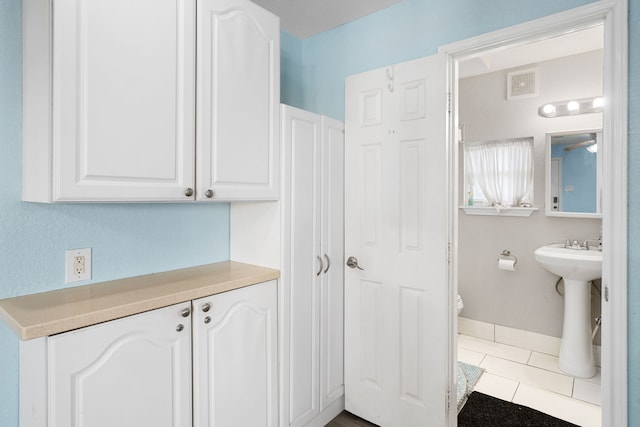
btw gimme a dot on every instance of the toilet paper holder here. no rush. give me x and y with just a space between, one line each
506 254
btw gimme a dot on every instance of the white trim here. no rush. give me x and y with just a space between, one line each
547 178
614 223
613 14
490 210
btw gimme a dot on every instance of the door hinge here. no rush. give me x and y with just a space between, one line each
606 293
449 102
449 253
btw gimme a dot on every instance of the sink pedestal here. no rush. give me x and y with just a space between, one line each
576 350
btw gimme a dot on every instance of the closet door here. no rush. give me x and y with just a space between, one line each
302 265
332 283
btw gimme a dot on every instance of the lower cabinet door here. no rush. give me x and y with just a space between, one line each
130 372
235 358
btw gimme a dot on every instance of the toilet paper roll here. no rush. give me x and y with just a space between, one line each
506 264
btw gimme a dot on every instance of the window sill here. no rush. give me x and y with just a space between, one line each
490 210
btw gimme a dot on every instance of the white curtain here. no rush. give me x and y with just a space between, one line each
503 170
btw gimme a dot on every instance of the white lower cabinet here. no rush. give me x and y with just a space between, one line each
165 367
235 360
134 371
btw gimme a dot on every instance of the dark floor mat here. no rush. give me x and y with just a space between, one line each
482 410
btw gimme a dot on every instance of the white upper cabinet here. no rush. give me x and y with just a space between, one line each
110 98
238 82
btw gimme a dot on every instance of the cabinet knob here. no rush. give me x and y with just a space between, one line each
207 319
188 192
206 307
209 193
180 327
185 312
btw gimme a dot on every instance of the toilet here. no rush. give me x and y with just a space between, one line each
459 304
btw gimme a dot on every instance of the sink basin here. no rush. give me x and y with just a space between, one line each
577 268
572 264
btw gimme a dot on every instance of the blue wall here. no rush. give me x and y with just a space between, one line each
127 240
136 239
415 28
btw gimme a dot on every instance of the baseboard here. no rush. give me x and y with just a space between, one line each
516 337
324 417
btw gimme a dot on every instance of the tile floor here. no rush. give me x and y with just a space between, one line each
532 379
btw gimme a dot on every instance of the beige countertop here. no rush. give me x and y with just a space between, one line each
48 313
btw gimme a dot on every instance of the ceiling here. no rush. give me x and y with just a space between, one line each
555 47
305 18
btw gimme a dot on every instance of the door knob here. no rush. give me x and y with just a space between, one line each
352 262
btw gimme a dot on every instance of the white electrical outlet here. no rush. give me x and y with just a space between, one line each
77 265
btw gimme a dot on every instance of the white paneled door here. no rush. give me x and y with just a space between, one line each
396 308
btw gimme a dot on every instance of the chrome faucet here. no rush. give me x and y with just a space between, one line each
589 244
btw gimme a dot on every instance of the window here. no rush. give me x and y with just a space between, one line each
499 173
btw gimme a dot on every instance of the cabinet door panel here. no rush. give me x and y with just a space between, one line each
124 99
235 358
302 146
332 286
238 110
129 372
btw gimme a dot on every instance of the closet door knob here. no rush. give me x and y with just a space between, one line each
188 192
321 266
328 263
185 312
206 307
209 193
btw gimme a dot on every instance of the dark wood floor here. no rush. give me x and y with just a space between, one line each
346 419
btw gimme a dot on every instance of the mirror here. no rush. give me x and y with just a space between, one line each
573 173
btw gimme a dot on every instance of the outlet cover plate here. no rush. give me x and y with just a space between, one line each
70 274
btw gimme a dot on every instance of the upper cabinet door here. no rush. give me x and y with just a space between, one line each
238 78
123 100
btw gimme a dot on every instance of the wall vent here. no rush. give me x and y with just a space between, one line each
522 84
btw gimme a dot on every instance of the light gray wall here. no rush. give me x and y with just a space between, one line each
524 299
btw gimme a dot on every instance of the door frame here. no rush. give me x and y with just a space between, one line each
613 15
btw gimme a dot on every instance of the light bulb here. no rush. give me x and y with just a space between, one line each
598 102
573 106
549 109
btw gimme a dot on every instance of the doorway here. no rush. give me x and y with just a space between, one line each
611 16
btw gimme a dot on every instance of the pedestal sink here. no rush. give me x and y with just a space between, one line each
577 267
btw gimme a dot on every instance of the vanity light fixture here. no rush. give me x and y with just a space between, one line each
572 107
